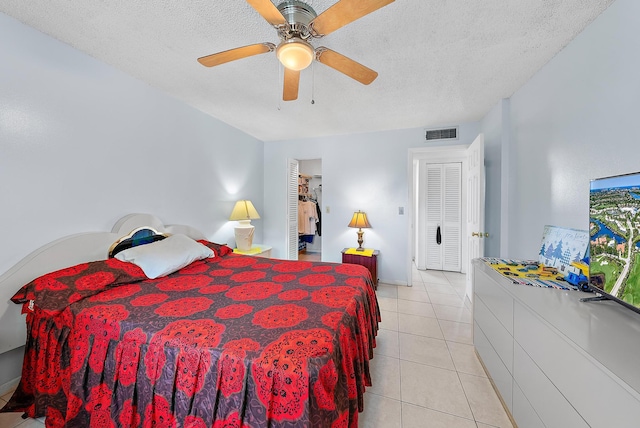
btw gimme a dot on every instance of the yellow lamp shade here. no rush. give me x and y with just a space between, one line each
359 220
244 210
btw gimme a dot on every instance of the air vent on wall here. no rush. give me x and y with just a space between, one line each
442 134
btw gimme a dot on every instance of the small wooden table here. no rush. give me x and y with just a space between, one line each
370 262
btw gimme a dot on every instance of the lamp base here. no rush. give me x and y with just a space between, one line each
244 235
360 240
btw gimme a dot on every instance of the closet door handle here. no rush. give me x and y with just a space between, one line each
438 236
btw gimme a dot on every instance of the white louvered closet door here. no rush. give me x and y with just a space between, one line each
451 217
434 215
443 216
292 209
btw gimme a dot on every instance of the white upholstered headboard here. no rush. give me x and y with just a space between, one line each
61 253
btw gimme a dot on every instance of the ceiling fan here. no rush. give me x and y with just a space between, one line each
297 23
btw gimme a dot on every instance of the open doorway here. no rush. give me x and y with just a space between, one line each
424 161
305 209
471 159
311 237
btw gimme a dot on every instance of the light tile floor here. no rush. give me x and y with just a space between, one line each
12 420
425 372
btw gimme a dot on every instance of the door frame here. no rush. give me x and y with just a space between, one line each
438 154
290 254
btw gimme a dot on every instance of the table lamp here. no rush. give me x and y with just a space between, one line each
360 221
244 212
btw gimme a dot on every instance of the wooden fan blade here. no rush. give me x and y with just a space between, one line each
234 54
345 65
343 13
291 83
268 11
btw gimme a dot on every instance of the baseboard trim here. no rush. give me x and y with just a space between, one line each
391 282
495 388
8 386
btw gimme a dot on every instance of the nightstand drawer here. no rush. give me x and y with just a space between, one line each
370 262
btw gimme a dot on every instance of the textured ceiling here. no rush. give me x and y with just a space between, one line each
440 62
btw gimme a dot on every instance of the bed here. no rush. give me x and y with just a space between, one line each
225 341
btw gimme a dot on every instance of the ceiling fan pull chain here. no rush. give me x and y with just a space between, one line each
277 85
313 82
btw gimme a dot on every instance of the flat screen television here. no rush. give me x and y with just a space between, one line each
614 247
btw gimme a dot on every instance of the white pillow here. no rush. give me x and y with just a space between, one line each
167 256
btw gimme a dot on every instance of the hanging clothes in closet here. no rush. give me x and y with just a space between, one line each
307 219
319 220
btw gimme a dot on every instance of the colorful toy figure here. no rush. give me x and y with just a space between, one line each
579 274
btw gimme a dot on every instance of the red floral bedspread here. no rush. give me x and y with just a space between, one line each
232 341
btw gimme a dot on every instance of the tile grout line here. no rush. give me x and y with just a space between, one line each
450 356
458 375
438 319
466 396
430 408
399 370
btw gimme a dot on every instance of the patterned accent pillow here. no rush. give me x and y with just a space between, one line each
221 250
141 237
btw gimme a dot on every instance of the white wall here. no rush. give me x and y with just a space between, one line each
82 144
496 129
365 172
491 126
575 120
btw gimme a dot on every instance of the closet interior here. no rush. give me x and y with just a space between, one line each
310 210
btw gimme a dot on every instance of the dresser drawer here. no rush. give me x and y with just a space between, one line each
497 371
523 412
551 406
500 339
498 301
599 398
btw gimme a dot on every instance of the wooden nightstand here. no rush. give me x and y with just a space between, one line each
256 250
370 262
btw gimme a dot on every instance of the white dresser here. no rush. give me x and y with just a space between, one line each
556 361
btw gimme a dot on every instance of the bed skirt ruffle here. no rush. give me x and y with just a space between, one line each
119 377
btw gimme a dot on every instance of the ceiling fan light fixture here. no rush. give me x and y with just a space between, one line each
295 54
